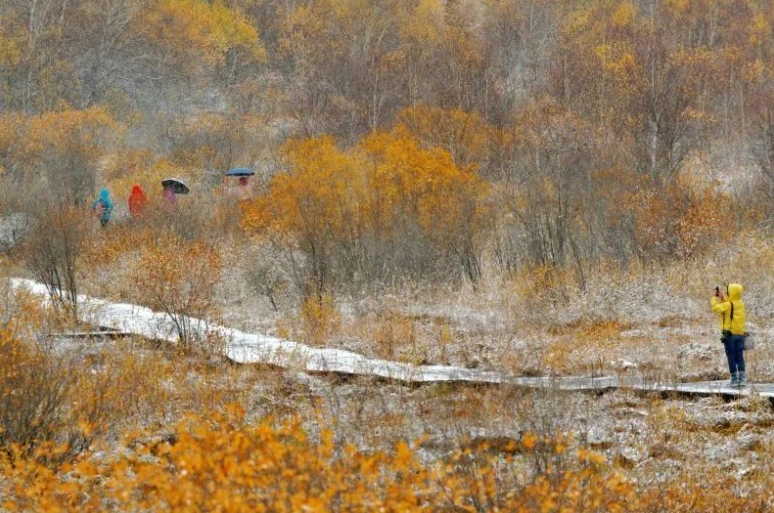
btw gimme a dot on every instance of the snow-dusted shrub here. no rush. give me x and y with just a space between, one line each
178 277
52 251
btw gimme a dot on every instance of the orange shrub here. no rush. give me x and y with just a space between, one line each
50 404
359 211
679 217
220 463
178 278
320 318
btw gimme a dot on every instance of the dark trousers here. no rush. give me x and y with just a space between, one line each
734 345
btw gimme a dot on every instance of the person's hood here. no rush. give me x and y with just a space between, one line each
137 189
104 194
735 291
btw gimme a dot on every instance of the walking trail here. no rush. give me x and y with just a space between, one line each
250 348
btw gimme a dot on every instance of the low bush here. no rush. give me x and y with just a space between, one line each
220 462
178 277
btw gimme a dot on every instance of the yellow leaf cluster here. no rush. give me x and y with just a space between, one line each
178 276
387 181
220 462
463 134
57 133
209 28
624 14
13 37
422 23
319 316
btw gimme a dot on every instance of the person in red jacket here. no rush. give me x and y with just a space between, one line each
137 201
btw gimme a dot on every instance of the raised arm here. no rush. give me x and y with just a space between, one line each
720 305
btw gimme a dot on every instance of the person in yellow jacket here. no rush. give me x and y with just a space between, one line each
730 310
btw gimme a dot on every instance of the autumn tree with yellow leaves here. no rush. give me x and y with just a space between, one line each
383 208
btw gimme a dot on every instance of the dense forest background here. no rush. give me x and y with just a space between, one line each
417 140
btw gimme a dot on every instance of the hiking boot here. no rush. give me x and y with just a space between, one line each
742 381
734 380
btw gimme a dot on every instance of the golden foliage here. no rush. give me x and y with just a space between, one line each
12 39
422 24
11 125
178 277
316 198
125 168
353 204
387 181
319 317
56 133
683 218
462 134
392 332
203 31
423 184
49 411
222 463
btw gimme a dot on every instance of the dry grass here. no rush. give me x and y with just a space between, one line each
647 448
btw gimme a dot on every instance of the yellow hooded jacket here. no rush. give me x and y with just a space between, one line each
723 309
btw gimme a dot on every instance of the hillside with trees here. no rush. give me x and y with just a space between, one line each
539 187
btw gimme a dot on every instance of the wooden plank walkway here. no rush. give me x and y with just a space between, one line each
611 382
253 348
706 388
93 334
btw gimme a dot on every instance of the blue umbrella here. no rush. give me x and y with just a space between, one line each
240 171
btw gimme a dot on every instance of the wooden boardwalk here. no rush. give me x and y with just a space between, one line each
638 384
93 334
124 320
706 388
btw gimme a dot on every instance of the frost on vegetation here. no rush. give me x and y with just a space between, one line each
699 350
306 384
599 437
12 228
625 364
466 317
630 455
639 299
646 300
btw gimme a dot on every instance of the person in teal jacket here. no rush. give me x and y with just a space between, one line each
103 207
732 317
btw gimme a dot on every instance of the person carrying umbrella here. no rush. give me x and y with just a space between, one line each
173 187
103 207
243 191
169 195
